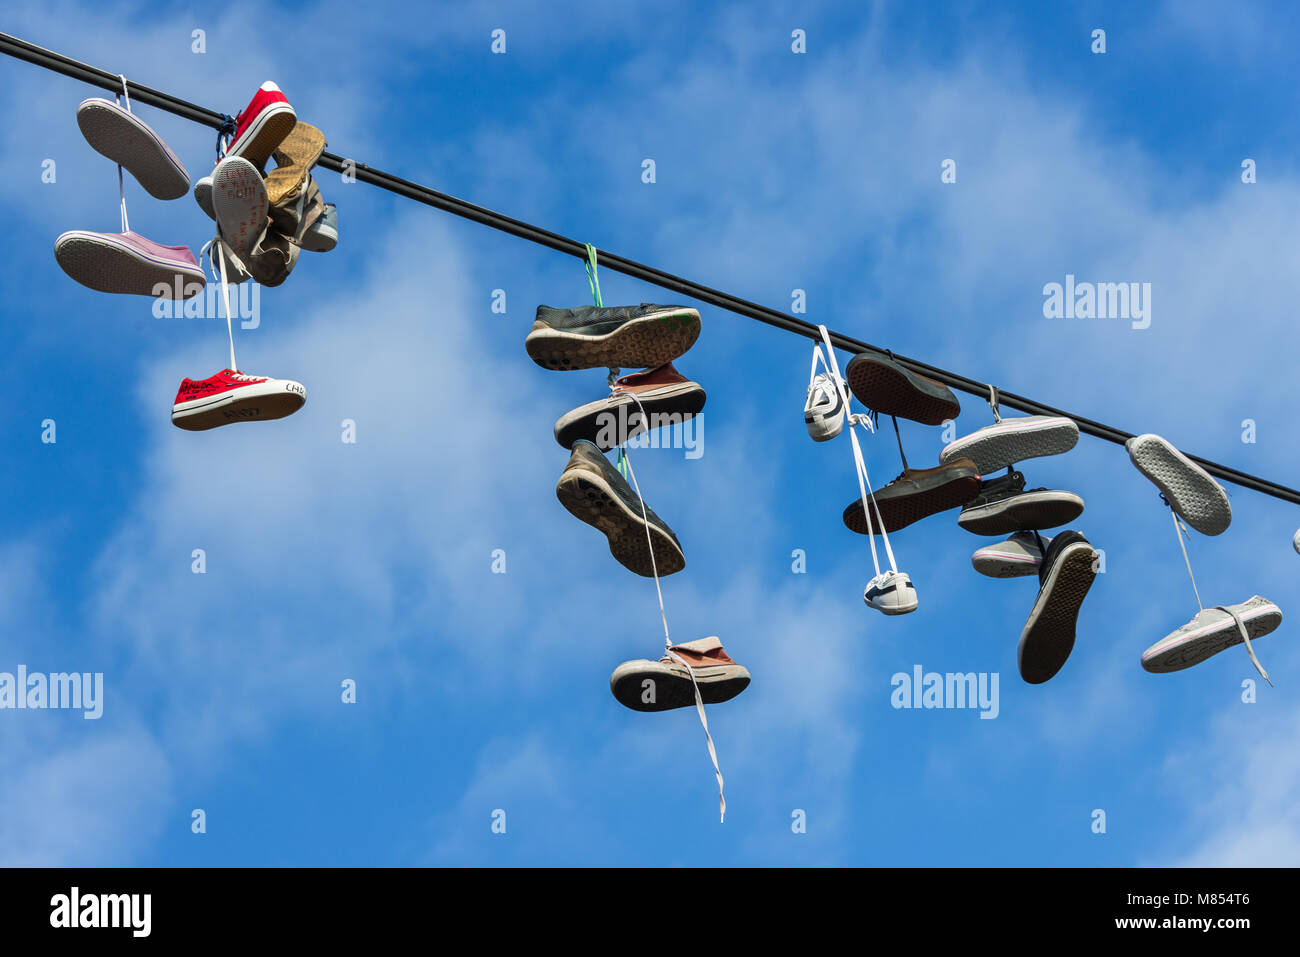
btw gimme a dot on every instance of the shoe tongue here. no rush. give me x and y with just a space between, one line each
701 646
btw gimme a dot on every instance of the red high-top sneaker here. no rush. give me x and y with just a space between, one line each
263 125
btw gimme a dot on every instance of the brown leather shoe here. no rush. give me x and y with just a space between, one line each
917 494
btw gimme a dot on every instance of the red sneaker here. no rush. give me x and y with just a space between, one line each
263 125
231 396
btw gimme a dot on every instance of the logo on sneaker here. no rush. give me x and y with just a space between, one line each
930 689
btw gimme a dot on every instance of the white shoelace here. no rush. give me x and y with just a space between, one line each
654 567
121 188
1241 626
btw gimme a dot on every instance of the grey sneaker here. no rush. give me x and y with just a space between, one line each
1017 557
129 141
1212 630
1191 491
633 337
1067 572
594 491
1013 440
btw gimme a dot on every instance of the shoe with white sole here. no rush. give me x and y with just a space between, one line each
1191 491
322 235
629 337
1004 506
130 264
1018 557
1295 541
239 204
130 142
666 684
662 395
1009 441
595 491
1067 572
824 411
263 125
231 396
891 593
1212 630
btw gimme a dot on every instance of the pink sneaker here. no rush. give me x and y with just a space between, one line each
263 125
131 143
666 684
129 263
231 396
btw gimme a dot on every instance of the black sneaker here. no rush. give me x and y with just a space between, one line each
1003 506
633 337
596 492
1066 574
884 386
916 494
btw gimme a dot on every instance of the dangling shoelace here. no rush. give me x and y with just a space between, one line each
121 186
1179 528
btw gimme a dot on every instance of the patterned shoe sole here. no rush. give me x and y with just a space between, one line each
297 154
1193 492
1003 445
1187 653
674 690
131 144
639 343
101 264
934 495
994 564
1028 512
588 422
266 133
1048 638
239 201
588 497
887 388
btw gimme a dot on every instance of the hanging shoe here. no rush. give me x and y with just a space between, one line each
1067 572
824 411
1212 630
239 204
322 235
632 337
130 264
1190 490
667 397
128 141
891 592
917 494
231 396
666 684
1003 506
1017 557
1009 441
294 157
203 195
885 386
236 271
262 126
596 492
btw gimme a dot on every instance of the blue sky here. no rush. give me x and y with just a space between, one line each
774 171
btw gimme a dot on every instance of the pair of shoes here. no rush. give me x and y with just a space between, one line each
127 262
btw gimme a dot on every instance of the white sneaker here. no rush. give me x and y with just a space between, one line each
1211 631
1013 440
824 410
1017 557
1191 491
891 593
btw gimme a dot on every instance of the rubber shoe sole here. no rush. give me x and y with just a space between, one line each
1026 512
1005 560
283 399
239 202
928 496
588 497
1191 649
884 386
100 262
671 688
296 154
113 132
682 401
1049 634
1190 490
1013 440
644 342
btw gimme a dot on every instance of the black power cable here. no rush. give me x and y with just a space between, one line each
39 56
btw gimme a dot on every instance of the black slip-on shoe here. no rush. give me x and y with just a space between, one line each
1066 574
615 337
1004 506
884 386
594 491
